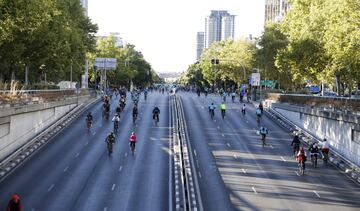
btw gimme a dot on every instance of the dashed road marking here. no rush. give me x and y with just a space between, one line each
271 147
51 187
195 153
105 208
254 190
222 134
120 168
66 168
113 187
282 158
125 154
77 154
199 174
235 156
228 144
218 127
317 194
33 209
94 133
86 143
247 121
243 170
297 173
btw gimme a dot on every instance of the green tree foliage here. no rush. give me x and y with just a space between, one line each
131 65
47 36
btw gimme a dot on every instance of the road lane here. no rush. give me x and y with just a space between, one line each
258 178
74 172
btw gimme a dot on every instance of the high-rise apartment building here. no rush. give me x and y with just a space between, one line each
275 10
200 40
85 5
220 25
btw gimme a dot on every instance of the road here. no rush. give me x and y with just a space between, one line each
234 171
74 171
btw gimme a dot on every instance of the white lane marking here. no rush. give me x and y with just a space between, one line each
218 127
297 173
243 170
222 134
282 158
51 187
228 144
113 187
199 174
105 208
94 133
120 168
66 168
86 143
316 194
254 190
247 121
195 153
125 154
271 147
235 156
77 154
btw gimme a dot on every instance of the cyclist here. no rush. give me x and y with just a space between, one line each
135 112
224 96
106 99
296 144
314 151
156 112
233 95
206 91
14 204
132 141
89 120
118 110
258 114
145 93
111 137
261 107
243 109
325 146
301 157
263 132
116 120
223 109
212 109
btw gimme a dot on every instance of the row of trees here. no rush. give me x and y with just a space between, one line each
318 41
131 65
47 37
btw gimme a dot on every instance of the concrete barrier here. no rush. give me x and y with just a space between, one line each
20 124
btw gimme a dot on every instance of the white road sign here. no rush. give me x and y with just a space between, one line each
255 79
105 63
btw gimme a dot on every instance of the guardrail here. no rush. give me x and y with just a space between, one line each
335 158
188 194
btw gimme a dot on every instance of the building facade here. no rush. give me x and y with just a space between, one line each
275 10
200 41
85 5
220 25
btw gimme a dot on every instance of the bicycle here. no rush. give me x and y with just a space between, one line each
243 111
263 136
302 167
258 117
109 147
314 159
212 113
296 150
156 119
222 113
132 148
325 158
233 99
134 118
116 126
88 124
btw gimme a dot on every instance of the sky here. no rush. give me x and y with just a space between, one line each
165 30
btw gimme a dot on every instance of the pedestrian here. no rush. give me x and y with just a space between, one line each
14 204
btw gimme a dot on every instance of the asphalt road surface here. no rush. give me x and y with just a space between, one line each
237 173
234 170
74 171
